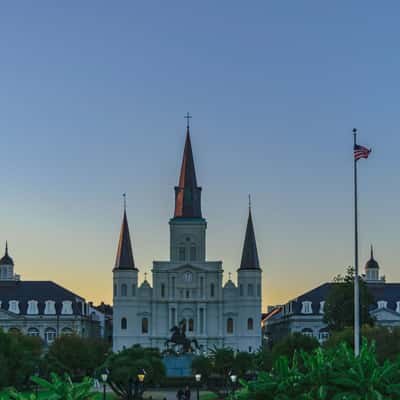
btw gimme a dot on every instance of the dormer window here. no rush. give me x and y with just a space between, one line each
397 306
306 307
66 307
321 307
32 307
13 306
382 304
50 307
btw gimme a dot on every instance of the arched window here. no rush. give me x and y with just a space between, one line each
307 332
133 290
250 324
229 325
50 335
123 290
241 289
258 290
250 290
115 289
145 325
212 290
14 330
123 323
201 287
162 290
66 331
323 334
33 332
191 325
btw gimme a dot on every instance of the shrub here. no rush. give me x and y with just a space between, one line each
291 343
19 358
75 355
124 367
327 374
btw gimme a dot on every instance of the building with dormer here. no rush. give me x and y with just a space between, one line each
305 313
188 288
42 308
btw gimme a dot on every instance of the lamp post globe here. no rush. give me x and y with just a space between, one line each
198 379
104 378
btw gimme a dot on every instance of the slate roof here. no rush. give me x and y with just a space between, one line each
250 254
23 291
389 292
124 259
187 193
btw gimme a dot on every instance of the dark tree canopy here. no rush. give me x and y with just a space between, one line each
339 305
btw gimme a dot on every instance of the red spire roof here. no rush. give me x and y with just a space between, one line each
124 259
187 194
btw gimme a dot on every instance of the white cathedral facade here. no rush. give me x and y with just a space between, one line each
187 289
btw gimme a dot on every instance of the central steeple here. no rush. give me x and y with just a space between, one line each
187 193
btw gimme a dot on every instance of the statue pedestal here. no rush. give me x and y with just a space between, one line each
178 365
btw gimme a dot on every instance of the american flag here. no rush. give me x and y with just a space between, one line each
361 152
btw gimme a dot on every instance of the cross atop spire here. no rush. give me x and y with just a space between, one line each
187 193
187 116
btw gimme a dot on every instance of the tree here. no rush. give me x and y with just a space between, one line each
295 341
19 358
124 367
244 363
75 355
387 341
202 365
339 305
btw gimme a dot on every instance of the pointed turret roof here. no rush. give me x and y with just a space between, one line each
250 255
6 259
124 259
372 263
187 193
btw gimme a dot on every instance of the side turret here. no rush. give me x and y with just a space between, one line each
249 284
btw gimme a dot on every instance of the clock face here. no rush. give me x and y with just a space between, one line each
187 276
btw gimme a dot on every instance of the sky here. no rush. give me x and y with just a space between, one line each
92 103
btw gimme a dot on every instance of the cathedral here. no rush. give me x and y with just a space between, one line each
188 290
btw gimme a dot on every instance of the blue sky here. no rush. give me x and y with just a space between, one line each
92 101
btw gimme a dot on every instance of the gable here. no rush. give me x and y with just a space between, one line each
384 314
8 316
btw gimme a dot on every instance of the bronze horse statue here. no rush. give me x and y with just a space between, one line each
178 338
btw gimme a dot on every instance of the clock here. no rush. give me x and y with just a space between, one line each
187 276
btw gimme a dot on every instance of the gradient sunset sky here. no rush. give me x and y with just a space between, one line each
92 100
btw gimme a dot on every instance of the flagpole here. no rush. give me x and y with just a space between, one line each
356 278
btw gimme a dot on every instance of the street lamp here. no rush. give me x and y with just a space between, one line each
104 378
140 379
198 379
233 380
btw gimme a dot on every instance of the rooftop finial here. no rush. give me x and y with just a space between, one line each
124 196
145 276
6 248
230 276
187 116
372 251
249 202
